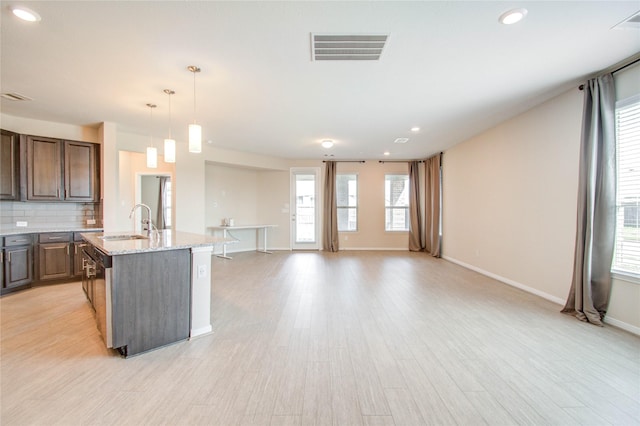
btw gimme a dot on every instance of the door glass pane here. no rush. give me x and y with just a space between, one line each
305 208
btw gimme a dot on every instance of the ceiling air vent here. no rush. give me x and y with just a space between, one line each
347 47
15 97
631 23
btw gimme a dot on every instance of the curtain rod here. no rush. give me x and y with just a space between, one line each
618 68
399 161
344 161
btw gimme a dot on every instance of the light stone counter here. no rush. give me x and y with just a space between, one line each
167 240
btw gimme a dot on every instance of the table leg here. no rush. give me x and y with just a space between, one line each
224 247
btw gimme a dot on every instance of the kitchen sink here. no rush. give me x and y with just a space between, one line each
123 237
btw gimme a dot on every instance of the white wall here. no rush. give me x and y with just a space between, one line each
509 204
249 196
131 167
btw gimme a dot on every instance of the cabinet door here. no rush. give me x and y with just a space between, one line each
2 255
80 171
44 169
78 266
54 261
9 165
18 265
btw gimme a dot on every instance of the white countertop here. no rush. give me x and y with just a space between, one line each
168 240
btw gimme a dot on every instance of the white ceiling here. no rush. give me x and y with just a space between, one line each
449 67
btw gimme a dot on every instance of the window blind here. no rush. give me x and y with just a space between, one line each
627 247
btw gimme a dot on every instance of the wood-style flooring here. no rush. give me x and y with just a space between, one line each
312 338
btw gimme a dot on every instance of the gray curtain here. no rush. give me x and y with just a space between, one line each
595 234
161 219
330 211
433 207
415 218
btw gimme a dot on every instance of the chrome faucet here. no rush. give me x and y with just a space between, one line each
147 221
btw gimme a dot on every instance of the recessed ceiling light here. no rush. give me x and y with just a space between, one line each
25 14
401 140
512 16
387 153
415 129
327 143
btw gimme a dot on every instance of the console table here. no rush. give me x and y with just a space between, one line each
225 235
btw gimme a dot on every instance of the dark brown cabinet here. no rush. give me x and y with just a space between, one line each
54 256
78 263
44 169
61 170
80 171
17 259
9 166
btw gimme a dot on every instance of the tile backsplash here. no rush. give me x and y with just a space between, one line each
49 215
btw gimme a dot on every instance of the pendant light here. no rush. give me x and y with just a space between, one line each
195 131
169 144
152 151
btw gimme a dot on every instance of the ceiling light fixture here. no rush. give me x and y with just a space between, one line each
26 14
169 144
387 153
512 16
152 151
415 129
195 130
327 143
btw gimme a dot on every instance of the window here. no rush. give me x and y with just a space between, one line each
347 201
167 203
396 200
627 249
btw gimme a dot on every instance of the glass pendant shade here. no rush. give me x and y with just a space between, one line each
195 138
152 157
169 151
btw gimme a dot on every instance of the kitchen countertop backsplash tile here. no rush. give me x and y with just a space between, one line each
48 217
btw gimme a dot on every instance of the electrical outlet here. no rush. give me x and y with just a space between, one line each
21 223
91 221
202 271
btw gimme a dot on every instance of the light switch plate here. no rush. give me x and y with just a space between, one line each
21 223
91 221
202 271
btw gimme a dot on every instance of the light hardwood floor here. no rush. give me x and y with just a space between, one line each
349 338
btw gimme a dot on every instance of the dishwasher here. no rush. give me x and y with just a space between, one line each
97 284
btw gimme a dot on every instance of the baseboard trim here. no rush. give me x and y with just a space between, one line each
507 281
623 325
372 249
608 320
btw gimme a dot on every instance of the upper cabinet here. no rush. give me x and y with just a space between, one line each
60 170
9 166
80 172
44 169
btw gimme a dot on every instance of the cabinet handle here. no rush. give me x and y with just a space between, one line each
19 241
68 250
1 256
9 257
55 238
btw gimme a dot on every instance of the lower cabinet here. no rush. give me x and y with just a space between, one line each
40 258
17 262
54 256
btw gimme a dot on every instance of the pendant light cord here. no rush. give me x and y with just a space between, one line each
194 97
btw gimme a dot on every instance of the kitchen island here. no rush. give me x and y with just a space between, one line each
149 292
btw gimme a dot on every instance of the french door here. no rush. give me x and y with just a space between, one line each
305 216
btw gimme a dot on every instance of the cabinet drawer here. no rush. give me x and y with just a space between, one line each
77 236
55 237
18 240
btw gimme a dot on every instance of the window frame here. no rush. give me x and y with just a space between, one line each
616 271
390 207
348 207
